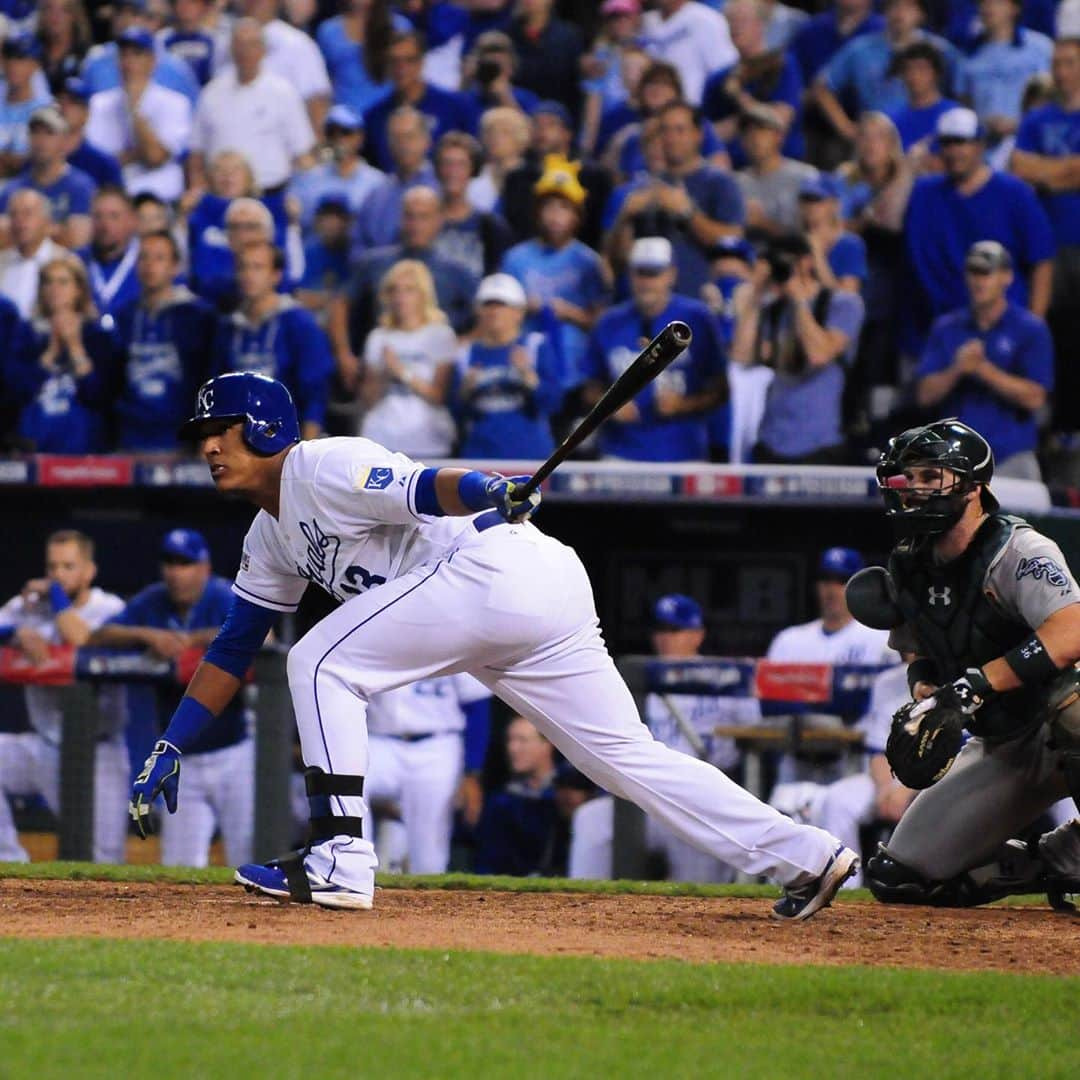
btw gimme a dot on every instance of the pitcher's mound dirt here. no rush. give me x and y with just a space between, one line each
1032 939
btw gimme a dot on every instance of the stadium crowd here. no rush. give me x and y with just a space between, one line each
450 225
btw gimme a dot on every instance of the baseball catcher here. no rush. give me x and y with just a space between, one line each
992 612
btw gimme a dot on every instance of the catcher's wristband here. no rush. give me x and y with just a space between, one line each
922 670
1031 663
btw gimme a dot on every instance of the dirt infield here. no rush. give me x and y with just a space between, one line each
1030 939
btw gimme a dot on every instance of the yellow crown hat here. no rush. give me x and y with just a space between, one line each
560 177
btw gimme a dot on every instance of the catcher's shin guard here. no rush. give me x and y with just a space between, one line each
323 824
892 882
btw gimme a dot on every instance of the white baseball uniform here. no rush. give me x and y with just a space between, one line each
30 761
429 596
416 757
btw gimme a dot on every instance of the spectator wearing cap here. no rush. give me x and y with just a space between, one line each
666 421
326 256
101 68
549 51
564 280
22 96
346 174
685 722
971 202
807 335
63 31
921 69
410 143
250 109
353 44
770 182
731 260
691 202
113 251
443 110
1004 57
166 335
69 190
189 39
144 125
73 99
185 610
762 77
489 72
408 367
32 246
476 238
273 335
606 86
693 38
862 77
1047 155
509 380
991 364
839 255
553 134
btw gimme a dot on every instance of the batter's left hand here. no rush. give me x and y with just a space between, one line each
160 776
500 490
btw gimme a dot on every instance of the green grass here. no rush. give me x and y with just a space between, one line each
91 1008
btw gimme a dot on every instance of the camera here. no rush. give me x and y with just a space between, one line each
781 265
487 71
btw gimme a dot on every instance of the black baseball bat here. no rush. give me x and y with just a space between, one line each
656 356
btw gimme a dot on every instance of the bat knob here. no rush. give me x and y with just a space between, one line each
681 334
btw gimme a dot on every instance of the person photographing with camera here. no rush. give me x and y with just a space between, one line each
787 321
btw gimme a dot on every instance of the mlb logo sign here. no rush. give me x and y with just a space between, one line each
374 478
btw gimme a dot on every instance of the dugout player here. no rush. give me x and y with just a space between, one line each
63 608
437 571
992 612
185 610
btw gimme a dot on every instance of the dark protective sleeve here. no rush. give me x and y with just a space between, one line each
240 637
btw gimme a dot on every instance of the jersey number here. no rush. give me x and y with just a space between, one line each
360 580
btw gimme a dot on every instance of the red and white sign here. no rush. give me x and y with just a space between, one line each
85 471
57 669
808 683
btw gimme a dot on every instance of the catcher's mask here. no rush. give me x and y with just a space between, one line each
928 504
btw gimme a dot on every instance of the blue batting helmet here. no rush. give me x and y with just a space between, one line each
263 404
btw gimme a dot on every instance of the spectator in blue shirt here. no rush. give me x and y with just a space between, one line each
921 68
114 248
786 321
489 73
354 45
326 256
185 610
189 40
273 335
509 382
346 173
861 77
964 24
824 34
68 190
667 421
65 379
1004 57
444 110
166 336
1047 155
971 202
839 256
561 276
606 85
21 97
991 364
73 99
549 52
691 203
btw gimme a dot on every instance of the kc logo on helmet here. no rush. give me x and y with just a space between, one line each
944 595
206 399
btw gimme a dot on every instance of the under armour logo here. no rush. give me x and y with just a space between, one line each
944 595
206 399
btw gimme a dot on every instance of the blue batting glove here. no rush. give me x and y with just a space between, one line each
500 491
160 776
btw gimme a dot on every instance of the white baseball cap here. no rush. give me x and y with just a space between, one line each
501 289
958 124
651 253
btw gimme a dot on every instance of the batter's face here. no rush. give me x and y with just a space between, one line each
234 467
184 580
69 566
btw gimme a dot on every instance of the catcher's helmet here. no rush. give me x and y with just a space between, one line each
263 404
946 444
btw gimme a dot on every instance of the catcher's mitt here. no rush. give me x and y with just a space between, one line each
921 749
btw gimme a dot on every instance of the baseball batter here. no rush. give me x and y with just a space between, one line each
438 572
422 738
62 608
992 612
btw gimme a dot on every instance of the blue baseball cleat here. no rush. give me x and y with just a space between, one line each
802 901
270 880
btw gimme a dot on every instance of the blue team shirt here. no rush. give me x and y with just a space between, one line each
1018 343
570 273
994 76
194 48
166 354
313 184
101 71
380 222
445 111
718 194
847 257
114 284
632 157
102 168
70 193
14 117
819 39
289 345
1054 132
504 418
152 607
353 86
915 124
325 269
616 340
942 225
964 27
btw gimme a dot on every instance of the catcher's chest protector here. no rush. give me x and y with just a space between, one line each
956 624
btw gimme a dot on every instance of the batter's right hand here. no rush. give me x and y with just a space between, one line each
500 491
160 776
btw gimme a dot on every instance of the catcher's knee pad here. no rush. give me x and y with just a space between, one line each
892 882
